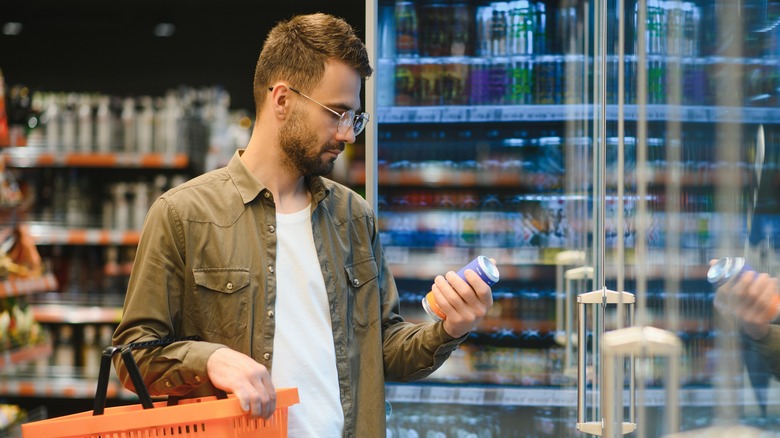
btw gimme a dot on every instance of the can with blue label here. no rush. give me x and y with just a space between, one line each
487 271
727 268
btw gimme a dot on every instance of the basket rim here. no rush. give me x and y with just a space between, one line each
199 410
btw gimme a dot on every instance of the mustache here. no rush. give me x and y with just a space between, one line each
338 146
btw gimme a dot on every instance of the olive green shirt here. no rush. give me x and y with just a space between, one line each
205 266
768 349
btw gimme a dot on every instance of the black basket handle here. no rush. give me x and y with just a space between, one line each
132 369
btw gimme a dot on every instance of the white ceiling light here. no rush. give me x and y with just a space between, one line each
12 28
164 29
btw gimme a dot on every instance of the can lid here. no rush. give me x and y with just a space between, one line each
719 270
490 269
725 268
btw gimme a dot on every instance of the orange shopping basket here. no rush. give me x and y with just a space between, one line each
218 416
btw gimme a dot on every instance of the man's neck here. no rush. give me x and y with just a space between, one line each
290 191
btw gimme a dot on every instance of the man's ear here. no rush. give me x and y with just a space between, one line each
279 101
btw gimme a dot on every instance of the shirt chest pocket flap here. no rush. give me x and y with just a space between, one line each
365 306
225 280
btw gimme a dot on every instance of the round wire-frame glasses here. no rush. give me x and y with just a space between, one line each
347 119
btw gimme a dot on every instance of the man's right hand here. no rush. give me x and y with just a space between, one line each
753 299
248 380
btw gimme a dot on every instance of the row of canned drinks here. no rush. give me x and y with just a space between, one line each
562 79
411 28
521 27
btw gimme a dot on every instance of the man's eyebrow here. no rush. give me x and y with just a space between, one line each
345 106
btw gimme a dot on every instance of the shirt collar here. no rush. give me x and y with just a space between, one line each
249 187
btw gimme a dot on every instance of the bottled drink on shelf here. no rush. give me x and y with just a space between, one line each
85 124
406 29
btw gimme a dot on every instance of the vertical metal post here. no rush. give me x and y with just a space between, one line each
370 135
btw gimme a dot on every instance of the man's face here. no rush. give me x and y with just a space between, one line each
304 152
309 139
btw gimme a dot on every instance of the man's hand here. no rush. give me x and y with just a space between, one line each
752 299
248 380
464 303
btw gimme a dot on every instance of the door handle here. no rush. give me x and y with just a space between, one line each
600 299
636 342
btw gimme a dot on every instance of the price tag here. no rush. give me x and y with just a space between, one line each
563 397
404 393
427 115
539 114
471 396
553 112
656 112
654 398
696 114
454 114
514 113
396 115
441 394
513 397
381 115
484 114
629 111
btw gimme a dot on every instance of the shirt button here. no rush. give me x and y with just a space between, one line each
271 268
267 195
229 286
197 379
270 313
271 228
355 282
267 356
168 384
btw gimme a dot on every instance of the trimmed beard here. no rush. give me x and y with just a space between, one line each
295 140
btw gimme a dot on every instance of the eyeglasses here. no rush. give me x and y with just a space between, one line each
347 119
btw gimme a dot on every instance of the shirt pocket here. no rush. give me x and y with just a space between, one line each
363 293
222 300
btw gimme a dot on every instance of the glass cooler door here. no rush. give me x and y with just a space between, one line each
602 152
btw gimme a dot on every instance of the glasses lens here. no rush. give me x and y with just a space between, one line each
360 123
345 121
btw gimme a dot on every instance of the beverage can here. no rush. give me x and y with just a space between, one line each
479 82
407 83
482 265
406 28
521 28
483 31
455 82
520 81
462 42
430 82
548 76
727 268
435 29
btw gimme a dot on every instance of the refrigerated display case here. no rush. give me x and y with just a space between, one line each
603 153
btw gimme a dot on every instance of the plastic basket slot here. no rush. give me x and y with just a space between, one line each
246 424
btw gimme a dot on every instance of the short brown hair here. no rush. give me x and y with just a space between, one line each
296 51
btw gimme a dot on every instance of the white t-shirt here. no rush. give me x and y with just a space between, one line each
304 352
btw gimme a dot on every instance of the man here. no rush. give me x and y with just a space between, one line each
279 270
